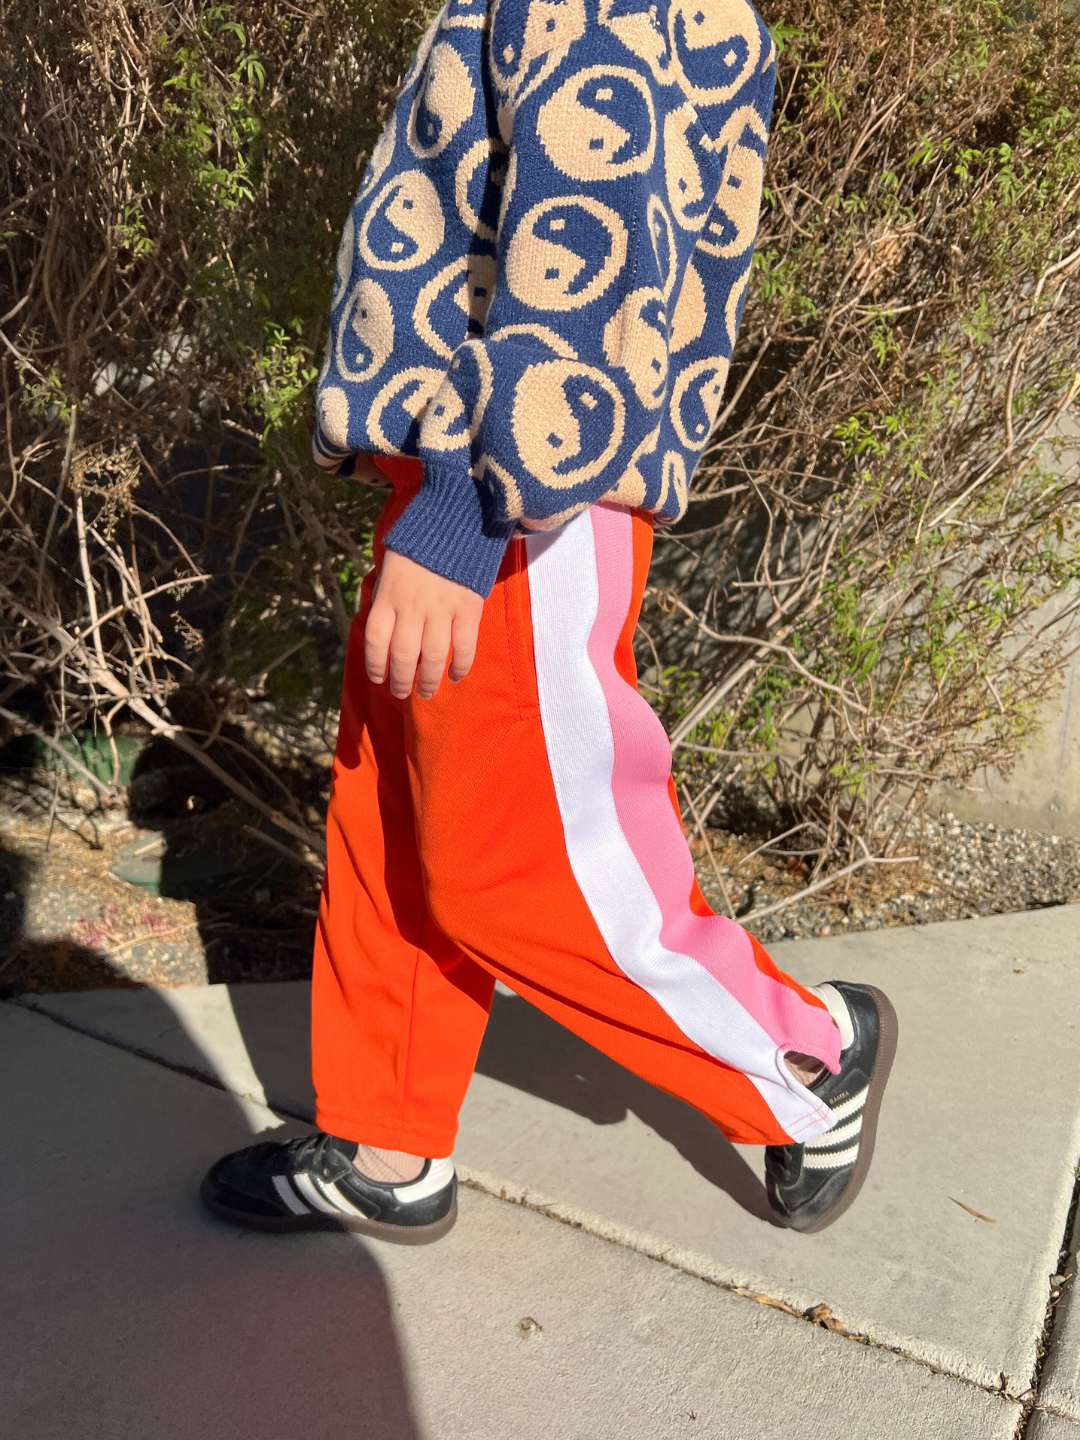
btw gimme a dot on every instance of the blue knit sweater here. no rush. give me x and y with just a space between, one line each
540 281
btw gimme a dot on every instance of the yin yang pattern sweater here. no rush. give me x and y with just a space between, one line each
540 281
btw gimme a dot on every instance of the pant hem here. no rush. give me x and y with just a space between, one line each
388 1135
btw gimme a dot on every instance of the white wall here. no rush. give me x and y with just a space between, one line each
1043 791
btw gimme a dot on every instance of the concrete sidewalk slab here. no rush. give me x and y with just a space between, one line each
253 1040
983 1110
1043 1426
130 1313
1059 1389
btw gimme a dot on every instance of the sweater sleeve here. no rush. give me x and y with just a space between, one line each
605 350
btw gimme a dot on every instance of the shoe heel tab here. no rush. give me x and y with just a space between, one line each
833 998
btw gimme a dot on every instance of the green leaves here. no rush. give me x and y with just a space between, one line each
284 374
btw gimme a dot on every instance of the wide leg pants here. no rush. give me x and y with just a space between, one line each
523 826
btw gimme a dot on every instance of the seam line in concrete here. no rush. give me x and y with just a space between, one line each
1058 1414
697 1268
625 1237
191 1072
1031 1398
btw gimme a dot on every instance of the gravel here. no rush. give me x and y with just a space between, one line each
962 869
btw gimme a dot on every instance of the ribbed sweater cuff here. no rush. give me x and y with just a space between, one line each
444 530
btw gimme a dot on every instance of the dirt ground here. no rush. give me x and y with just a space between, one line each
68 923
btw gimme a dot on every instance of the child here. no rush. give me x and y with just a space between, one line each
536 300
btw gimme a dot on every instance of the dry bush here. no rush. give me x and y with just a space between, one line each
853 606
171 172
875 586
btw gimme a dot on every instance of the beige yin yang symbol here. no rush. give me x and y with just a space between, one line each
733 220
404 226
635 340
381 156
489 155
409 390
464 15
473 281
333 413
641 35
558 407
673 479
715 47
522 57
565 253
631 489
543 334
731 309
446 425
443 102
691 311
580 133
690 168
695 400
343 265
366 326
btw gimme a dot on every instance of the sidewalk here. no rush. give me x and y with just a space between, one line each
130 1313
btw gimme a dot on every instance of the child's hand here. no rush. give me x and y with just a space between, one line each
416 617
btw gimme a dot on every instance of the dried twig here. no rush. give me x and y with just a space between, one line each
283 849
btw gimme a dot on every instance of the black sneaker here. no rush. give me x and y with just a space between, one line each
812 1185
312 1184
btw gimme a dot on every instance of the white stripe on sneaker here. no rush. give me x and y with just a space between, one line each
849 1107
439 1175
849 1130
836 1160
311 1193
344 1205
289 1196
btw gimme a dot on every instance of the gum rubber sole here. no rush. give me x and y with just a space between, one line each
292 1224
883 1063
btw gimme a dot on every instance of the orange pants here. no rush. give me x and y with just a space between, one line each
522 826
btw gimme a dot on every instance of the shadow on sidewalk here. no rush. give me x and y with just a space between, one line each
26 963
129 1311
132 1313
524 1048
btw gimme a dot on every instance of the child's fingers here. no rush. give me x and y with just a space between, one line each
404 655
466 630
378 633
432 658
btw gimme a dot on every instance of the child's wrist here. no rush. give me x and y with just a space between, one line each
443 528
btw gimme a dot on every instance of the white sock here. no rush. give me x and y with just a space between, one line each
387 1165
838 1010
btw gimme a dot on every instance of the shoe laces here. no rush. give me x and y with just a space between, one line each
306 1150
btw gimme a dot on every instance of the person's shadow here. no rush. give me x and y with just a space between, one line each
527 1049
26 961
129 1310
